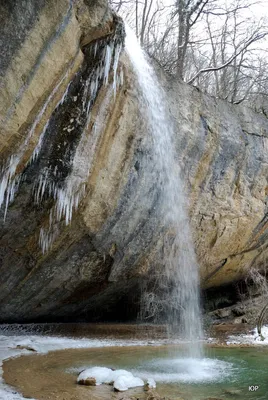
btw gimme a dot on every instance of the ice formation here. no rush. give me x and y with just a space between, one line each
123 383
108 60
251 338
151 383
121 379
67 195
100 374
9 180
115 67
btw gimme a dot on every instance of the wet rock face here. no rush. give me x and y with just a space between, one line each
83 230
40 167
223 153
16 20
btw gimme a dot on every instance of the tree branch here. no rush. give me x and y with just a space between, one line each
231 59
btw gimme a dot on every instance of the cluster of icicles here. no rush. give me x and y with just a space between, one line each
67 197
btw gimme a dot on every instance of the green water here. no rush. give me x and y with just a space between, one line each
224 373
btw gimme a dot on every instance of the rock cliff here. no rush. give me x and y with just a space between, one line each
80 228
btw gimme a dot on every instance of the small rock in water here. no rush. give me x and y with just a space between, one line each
25 347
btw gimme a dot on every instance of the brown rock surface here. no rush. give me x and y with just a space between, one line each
88 382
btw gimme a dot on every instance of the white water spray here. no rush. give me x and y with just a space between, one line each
181 273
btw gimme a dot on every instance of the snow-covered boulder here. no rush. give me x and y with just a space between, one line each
122 379
123 383
120 372
88 382
100 374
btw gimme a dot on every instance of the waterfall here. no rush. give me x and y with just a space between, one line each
180 279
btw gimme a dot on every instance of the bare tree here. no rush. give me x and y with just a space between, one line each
214 46
188 13
235 52
141 16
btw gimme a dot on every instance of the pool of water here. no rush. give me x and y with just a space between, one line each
224 373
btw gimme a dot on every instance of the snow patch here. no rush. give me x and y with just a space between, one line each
251 338
100 374
123 383
151 383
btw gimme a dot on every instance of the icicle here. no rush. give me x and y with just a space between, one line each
95 49
43 109
38 147
85 95
41 186
115 66
121 77
6 183
8 180
62 100
108 60
88 107
68 198
46 238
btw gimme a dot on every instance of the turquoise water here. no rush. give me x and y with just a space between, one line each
224 373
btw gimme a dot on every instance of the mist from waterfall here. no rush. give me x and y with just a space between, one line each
179 280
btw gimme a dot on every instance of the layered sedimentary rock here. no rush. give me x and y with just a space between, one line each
80 227
223 154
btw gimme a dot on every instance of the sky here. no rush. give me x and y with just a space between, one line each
257 11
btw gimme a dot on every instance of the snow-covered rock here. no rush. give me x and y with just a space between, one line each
100 374
123 383
120 372
88 382
122 379
251 338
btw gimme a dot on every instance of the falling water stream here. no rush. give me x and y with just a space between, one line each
181 273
